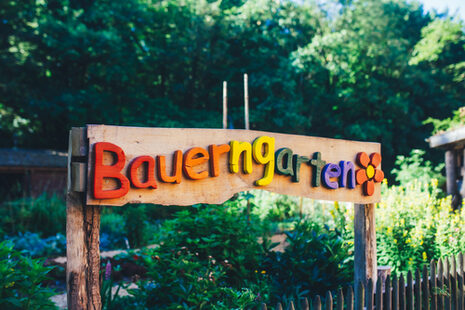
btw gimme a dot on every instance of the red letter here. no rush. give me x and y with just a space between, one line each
102 171
150 172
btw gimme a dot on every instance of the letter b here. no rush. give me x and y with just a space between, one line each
102 171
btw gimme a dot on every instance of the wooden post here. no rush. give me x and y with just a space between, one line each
225 105
82 231
364 244
451 176
246 101
450 172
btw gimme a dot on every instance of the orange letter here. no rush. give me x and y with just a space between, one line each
177 166
102 171
191 159
150 172
215 152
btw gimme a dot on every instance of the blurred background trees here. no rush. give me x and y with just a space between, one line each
367 69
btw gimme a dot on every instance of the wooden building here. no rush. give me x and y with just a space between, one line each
29 173
453 143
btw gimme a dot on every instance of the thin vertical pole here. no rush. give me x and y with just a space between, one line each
246 101
225 105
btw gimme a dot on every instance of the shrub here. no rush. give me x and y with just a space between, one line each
221 232
415 224
21 279
181 280
316 260
416 168
45 215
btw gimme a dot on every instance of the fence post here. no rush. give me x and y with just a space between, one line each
82 231
364 244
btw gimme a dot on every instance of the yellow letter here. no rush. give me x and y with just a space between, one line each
236 150
266 158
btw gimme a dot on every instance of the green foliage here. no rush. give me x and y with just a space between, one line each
283 208
21 279
135 225
317 259
450 123
182 279
368 69
45 215
109 297
438 37
112 231
414 225
219 232
213 257
415 167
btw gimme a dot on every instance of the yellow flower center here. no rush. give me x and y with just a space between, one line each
370 171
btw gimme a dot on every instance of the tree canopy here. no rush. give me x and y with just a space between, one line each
360 69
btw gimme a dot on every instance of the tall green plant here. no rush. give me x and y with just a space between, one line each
22 281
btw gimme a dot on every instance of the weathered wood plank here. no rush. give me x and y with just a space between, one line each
329 301
453 284
460 294
433 285
440 285
446 279
304 305
79 146
291 305
402 296
417 290
388 293
451 174
425 288
409 290
365 244
82 238
135 141
447 138
350 298
317 303
340 300
379 295
369 295
78 177
460 263
359 298
395 293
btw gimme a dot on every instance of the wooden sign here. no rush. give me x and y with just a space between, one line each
187 166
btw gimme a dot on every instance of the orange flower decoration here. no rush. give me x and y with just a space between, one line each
369 174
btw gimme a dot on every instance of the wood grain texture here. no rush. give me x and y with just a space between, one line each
82 235
365 243
451 172
165 141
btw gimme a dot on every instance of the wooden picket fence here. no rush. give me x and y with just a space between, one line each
440 287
